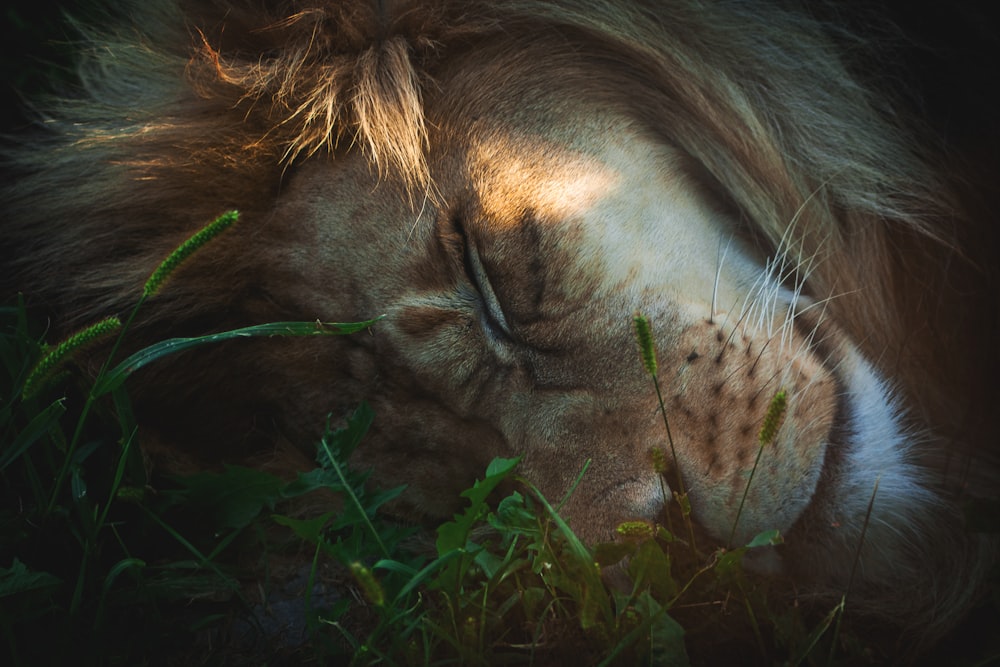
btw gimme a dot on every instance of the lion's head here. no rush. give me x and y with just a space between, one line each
509 183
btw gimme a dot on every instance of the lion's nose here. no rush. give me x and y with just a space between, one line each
750 414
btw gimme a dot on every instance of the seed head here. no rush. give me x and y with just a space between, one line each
635 530
645 336
186 249
58 355
659 460
369 584
774 418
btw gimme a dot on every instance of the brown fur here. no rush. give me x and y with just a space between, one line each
351 135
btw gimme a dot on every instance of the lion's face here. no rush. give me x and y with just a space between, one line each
509 294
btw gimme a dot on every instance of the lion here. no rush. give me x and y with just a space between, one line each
509 182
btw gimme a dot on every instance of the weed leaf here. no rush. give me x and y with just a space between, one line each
454 534
18 579
666 636
651 566
607 554
310 530
512 514
767 538
234 497
343 441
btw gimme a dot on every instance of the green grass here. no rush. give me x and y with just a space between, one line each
101 564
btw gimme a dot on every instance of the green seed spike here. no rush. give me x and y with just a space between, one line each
644 334
646 347
773 420
659 460
186 249
635 530
58 355
369 584
131 494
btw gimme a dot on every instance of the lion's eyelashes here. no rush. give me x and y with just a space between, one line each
494 321
493 313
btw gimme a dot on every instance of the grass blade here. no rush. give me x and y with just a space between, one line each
117 375
42 423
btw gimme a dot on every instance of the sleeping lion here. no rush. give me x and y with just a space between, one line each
509 182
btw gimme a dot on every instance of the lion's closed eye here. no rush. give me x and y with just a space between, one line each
491 312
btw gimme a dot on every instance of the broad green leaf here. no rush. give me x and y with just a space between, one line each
533 599
454 534
730 563
666 636
426 572
664 535
233 497
767 538
611 553
499 466
313 480
335 448
650 568
18 578
489 562
513 514
343 441
310 530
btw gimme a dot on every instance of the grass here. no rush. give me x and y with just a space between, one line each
101 564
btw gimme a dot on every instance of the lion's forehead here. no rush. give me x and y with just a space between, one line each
621 218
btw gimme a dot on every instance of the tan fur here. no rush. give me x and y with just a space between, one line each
594 158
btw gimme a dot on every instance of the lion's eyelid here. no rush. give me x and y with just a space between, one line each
494 319
480 278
